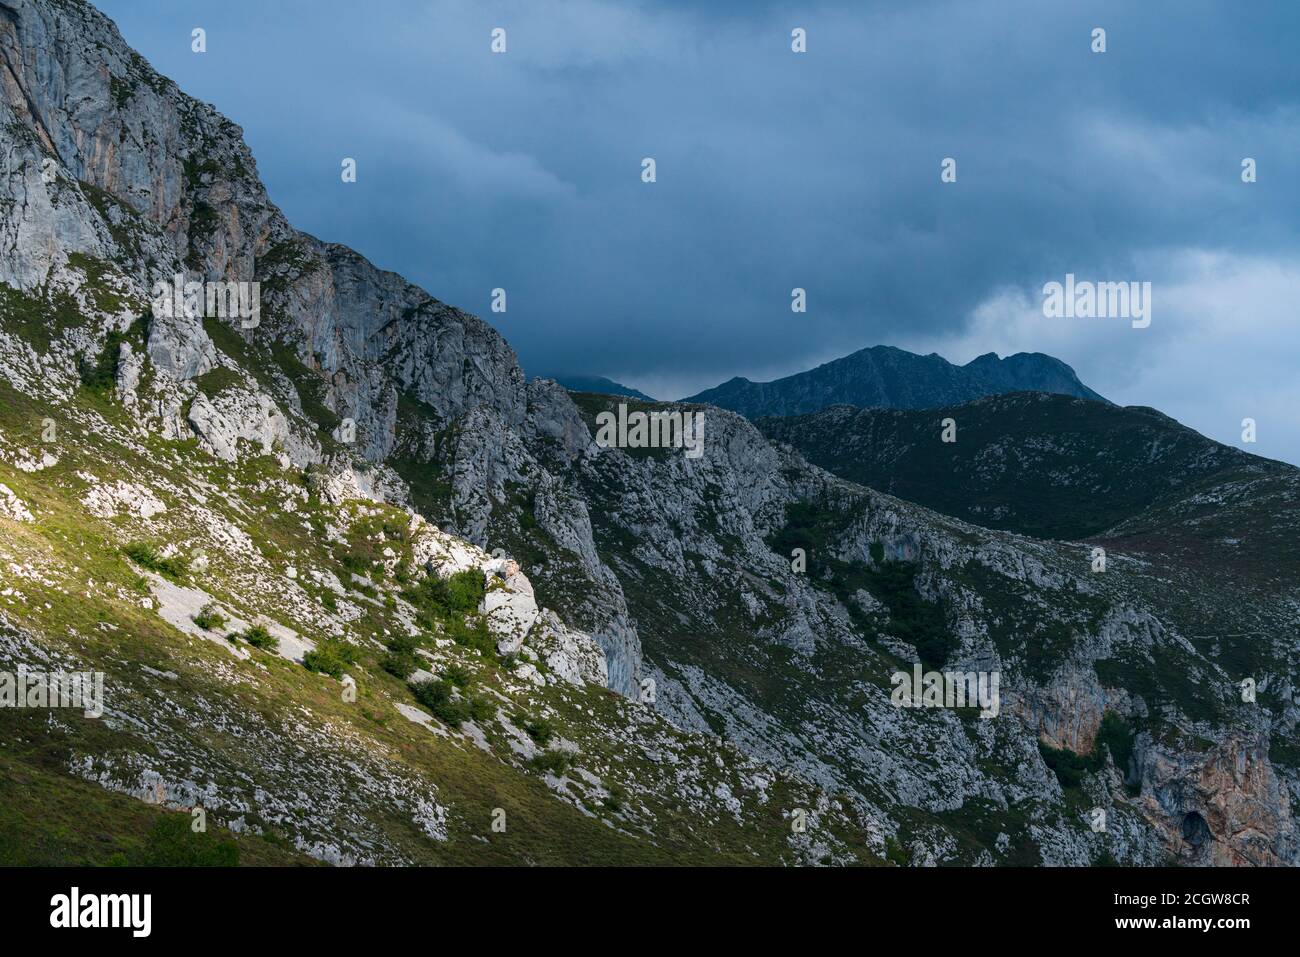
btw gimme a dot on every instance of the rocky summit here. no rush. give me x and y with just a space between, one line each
357 592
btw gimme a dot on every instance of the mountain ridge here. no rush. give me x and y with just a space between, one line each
598 384
885 376
1046 465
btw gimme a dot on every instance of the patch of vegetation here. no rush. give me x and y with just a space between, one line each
331 658
551 762
421 443
203 223
1114 736
616 799
438 598
912 618
439 698
540 730
310 386
1165 677
125 225
196 168
259 637
458 675
147 556
100 376
217 380
810 526
474 635
39 321
1068 766
400 660
210 618
896 853
121 89
105 298
283 263
174 843
1117 737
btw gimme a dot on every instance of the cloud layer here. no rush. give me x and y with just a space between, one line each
776 170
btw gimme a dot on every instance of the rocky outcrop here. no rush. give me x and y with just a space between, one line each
1226 808
156 185
12 507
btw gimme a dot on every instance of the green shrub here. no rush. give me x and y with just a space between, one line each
554 762
896 853
210 618
465 590
1117 737
436 696
447 597
458 675
357 563
475 635
616 799
540 730
259 637
1068 766
145 555
912 618
481 709
400 660
330 658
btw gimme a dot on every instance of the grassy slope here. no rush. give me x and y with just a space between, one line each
236 719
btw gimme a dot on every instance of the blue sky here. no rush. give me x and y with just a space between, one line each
775 170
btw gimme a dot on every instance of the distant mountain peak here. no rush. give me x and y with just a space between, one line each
597 384
888 377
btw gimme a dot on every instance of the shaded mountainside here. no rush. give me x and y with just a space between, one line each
1044 465
356 586
885 377
599 385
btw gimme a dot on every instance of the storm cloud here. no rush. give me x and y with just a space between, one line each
777 170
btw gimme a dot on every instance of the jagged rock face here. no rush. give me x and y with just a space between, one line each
694 545
1223 809
185 171
672 580
489 463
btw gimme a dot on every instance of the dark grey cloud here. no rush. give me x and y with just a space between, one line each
778 170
